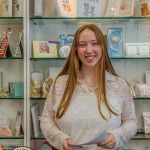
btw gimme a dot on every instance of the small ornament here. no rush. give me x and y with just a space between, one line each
4 45
18 50
65 45
46 86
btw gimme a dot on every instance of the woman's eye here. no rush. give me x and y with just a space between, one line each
94 44
82 45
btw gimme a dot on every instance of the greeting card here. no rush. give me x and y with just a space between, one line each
115 43
5 8
86 8
143 8
66 8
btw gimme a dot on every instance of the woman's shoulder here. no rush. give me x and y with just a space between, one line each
61 80
116 79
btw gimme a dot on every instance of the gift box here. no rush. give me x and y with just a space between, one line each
16 89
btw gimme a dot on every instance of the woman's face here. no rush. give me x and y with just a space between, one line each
88 49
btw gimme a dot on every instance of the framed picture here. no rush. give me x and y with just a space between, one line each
144 49
143 8
45 49
89 8
66 8
115 44
147 77
131 49
112 9
127 8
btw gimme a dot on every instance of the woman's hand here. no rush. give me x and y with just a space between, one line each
109 142
65 144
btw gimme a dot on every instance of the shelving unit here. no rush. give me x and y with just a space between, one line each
13 70
50 27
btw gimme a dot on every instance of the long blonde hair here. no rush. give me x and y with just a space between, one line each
73 65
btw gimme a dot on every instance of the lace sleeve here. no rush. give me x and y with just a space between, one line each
128 119
48 125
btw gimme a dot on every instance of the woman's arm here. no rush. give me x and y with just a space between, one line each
128 119
48 126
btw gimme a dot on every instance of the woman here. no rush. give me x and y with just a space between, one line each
88 97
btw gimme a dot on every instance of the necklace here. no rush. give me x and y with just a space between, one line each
89 84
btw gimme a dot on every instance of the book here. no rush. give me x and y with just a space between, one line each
86 8
35 120
66 8
115 42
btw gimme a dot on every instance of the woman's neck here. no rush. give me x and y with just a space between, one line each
89 77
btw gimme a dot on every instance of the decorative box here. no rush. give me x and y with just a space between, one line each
115 42
16 89
37 79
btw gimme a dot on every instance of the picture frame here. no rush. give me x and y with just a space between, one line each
115 42
143 8
112 9
147 77
66 8
86 8
5 8
127 8
144 49
45 49
131 49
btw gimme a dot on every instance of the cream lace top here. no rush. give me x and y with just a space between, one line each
82 121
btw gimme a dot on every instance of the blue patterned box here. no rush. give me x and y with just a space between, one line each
16 89
115 42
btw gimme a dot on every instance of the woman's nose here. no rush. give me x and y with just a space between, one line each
88 48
